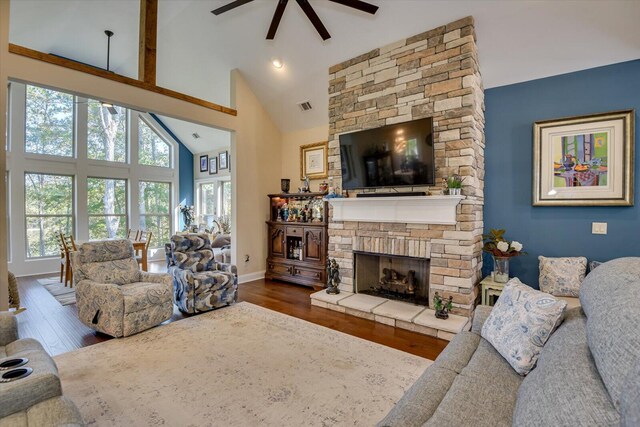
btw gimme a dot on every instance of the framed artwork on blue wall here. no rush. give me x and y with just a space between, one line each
584 161
204 163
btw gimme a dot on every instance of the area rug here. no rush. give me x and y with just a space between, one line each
63 294
241 365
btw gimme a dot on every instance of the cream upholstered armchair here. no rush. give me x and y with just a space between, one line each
113 296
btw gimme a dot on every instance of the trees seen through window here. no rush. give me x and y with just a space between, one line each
49 211
49 122
107 207
106 133
152 150
155 216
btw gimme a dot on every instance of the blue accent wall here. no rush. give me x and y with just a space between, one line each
185 170
554 231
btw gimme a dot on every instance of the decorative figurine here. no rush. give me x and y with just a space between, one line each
442 306
333 277
324 187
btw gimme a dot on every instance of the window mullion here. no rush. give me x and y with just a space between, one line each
82 169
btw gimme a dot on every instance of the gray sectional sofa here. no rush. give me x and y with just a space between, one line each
37 399
588 373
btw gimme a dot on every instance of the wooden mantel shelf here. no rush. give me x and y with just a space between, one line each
406 209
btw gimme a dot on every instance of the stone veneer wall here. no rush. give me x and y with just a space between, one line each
433 74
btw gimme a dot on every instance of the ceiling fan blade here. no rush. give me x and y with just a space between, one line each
359 4
230 6
311 14
277 16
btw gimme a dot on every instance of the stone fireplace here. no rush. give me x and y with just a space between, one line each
400 278
433 74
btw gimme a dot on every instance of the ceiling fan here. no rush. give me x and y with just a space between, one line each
306 8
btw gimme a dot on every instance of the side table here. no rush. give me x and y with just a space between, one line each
490 289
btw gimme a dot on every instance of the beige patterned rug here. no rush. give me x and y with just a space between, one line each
242 365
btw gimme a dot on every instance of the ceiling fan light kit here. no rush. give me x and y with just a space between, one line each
306 8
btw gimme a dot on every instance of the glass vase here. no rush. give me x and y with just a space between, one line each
500 269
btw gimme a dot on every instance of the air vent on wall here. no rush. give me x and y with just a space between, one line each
305 105
195 135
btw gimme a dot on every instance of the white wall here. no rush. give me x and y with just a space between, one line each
255 161
291 142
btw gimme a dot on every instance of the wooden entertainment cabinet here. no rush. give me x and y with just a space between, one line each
297 238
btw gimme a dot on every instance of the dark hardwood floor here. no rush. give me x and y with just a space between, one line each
57 327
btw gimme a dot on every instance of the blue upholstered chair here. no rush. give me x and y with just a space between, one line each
199 282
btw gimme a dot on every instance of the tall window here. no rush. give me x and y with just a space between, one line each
208 202
107 207
48 211
155 211
226 199
215 201
49 122
106 132
152 150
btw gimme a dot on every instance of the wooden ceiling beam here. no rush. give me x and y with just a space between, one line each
99 72
148 41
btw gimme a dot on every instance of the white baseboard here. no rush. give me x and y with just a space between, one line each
250 277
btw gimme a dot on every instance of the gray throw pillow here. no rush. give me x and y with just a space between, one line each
221 240
562 277
521 322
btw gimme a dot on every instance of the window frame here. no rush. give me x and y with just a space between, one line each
74 132
126 204
80 167
169 214
127 136
27 216
160 135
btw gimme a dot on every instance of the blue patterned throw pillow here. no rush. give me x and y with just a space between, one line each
562 277
520 324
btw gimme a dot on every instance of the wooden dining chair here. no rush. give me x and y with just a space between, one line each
145 236
68 245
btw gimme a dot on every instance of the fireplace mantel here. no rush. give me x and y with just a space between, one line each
405 209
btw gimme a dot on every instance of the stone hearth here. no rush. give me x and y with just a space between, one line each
412 317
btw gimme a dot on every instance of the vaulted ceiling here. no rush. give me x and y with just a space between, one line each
517 41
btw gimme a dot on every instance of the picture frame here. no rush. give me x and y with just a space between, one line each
584 160
204 163
224 160
314 160
213 165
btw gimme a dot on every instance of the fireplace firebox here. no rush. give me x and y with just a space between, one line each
395 277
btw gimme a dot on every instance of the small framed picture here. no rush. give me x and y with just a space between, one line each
213 166
224 160
204 163
313 160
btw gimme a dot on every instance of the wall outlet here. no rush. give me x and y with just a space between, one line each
598 228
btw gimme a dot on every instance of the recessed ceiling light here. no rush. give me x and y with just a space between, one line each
277 63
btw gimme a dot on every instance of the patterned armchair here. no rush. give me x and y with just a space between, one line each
199 282
113 296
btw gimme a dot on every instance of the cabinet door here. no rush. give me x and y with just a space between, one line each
314 245
277 247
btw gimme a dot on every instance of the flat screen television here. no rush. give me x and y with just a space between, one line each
390 156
